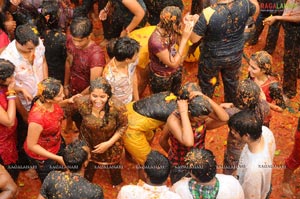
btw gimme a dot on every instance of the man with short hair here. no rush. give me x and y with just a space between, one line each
255 164
204 182
71 184
157 168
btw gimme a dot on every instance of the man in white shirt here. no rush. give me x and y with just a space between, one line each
157 168
204 182
255 164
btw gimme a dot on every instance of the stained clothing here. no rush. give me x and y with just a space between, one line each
8 136
273 92
234 145
155 7
83 61
255 169
293 161
94 131
51 122
144 116
50 138
69 186
268 8
162 77
222 44
178 151
118 18
55 53
291 49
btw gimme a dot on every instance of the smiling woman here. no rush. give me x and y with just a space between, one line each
103 124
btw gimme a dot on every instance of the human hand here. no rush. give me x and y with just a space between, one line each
195 93
270 20
103 15
226 105
182 106
71 99
101 148
28 97
61 161
11 85
15 2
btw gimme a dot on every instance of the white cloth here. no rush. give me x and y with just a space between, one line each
230 188
145 191
255 169
122 84
27 76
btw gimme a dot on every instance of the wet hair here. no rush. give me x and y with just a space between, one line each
248 93
47 89
157 167
125 48
74 155
101 83
81 27
199 106
80 11
264 61
246 122
202 164
187 88
248 97
110 47
169 16
6 69
25 33
50 8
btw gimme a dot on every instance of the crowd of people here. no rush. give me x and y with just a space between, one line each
51 71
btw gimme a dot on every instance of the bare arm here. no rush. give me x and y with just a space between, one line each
164 139
68 64
45 68
139 13
8 117
176 61
135 87
34 132
270 20
40 197
181 128
7 186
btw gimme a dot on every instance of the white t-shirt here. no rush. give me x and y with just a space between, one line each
230 188
255 169
145 191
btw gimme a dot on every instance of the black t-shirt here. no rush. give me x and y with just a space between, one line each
69 186
223 33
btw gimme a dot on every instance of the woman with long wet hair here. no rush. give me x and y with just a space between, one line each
103 124
44 143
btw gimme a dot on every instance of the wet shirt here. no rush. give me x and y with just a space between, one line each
223 32
61 185
156 44
8 136
178 151
83 61
50 137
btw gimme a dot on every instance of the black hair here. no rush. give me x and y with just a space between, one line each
202 164
47 89
187 88
125 48
157 167
74 155
50 8
6 69
25 33
199 106
246 122
110 47
81 27
101 83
